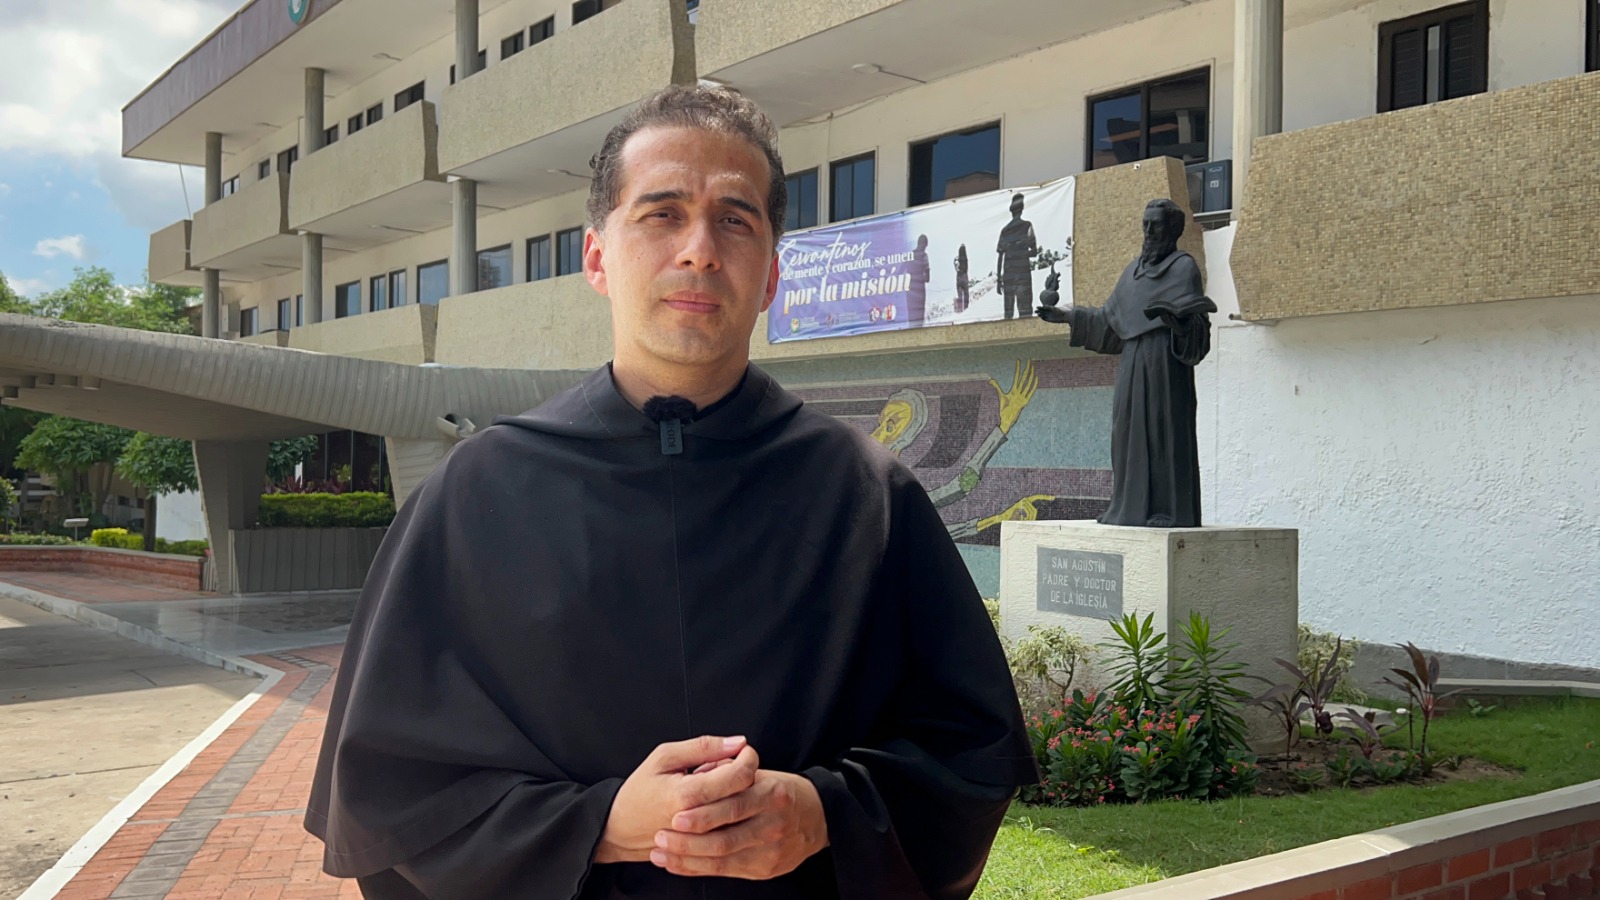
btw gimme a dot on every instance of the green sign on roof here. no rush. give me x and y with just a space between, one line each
298 10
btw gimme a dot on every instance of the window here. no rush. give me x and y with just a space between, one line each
539 258
494 268
231 186
347 300
694 10
542 31
408 96
378 293
483 63
375 114
1592 62
955 165
354 125
433 282
287 159
397 288
854 187
264 169
569 251
330 136
512 45
584 9
285 314
1438 55
299 310
802 201
1166 117
247 322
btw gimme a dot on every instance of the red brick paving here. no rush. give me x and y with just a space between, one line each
95 588
259 849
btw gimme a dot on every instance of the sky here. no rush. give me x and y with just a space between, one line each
67 198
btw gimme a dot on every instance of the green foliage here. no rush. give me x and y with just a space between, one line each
1421 684
1140 669
109 537
1044 663
8 498
35 540
361 509
160 465
1316 648
284 455
120 538
95 297
67 449
10 301
1206 683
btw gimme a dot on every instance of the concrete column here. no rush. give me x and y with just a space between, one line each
1257 83
410 461
232 474
311 272
211 280
311 136
464 253
464 191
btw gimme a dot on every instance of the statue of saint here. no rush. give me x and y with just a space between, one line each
1157 319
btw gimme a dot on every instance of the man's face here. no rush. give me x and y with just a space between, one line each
1155 226
687 256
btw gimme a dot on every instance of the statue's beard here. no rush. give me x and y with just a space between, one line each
1155 250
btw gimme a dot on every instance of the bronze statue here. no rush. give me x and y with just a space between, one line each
1157 319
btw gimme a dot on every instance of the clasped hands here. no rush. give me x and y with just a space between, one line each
706 807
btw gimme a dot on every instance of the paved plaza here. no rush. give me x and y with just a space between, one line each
221 818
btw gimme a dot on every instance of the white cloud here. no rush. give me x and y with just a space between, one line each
29 287
67 245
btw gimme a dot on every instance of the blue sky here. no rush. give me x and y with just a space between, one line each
67 198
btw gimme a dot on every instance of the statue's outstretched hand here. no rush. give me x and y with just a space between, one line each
1053 314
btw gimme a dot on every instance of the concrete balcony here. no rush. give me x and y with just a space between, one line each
169 256
246 235
526 127
375 186
1484 198
797 58
273 338
404 334
554 323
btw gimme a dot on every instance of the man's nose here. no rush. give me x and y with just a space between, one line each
699 250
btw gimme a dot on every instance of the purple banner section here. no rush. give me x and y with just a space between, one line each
980 258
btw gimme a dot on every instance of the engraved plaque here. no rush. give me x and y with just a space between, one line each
1080 583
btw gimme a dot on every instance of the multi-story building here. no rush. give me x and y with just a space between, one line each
404 181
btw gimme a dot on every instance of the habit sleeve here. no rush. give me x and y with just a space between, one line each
912 813
1091 330
421 771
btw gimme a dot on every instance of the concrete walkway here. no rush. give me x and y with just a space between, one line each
222 819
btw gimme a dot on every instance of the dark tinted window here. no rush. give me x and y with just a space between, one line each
353 125
378 293
285 314
397 288
433 282
955 165
854 185
330 136
1593 60
375 114
408 96
247 322
569 251
1167 117
583 9
1438 55
347 300
542 31
539 258
494 268
287 159
802 212
511 46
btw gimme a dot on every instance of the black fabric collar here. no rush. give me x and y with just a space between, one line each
595 409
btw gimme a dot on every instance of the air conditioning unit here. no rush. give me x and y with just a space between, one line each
1210 186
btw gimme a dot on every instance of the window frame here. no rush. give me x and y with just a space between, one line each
299 310
375 285
285 314
833 176
511 265
264 169
1143 90
353 124
549 32
397 296
330 135
530 270
559 261
339 300
230 187
600 7
1591 61
912 146
410 96
815 173
249 322
518 41
1439 16
374 113
288 158
441 263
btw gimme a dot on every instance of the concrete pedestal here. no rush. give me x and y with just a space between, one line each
1082 575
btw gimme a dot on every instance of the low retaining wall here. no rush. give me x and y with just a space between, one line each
281 560
163 569
1546 846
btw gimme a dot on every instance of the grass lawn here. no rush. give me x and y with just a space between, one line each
1068 852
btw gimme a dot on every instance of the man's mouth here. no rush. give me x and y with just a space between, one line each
692 302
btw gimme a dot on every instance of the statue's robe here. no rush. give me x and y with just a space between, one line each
1157 320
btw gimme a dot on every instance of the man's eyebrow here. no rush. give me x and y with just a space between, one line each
659 197
740 203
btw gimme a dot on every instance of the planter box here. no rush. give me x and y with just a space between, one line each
280 560
163 569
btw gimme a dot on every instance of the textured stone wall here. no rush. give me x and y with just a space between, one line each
1107 228
1484 198
163 569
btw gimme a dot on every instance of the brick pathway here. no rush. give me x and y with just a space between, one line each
95 588
228 826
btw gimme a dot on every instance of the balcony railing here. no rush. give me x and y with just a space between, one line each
247 233
169 256
375 185
403 334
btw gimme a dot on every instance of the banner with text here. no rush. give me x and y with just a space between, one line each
980 258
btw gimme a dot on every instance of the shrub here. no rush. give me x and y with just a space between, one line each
36 540
1317 648
181 548
113 537
362 509
1044 663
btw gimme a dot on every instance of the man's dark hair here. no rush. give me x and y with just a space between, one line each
689 106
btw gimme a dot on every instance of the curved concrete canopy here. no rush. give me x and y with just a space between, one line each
214 390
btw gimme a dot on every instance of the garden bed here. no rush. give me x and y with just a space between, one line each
165 570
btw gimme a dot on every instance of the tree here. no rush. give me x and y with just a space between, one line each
8 499
95 297
283 456
10 301
158 465
68 449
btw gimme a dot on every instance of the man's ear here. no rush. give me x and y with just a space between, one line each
773 274
594 264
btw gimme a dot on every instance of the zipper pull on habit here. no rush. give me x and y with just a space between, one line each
669 413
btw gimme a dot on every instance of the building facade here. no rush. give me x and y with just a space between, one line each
1392 201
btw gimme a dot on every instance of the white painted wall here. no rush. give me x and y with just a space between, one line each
1441 465
179 517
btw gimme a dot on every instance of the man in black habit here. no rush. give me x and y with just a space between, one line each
671 634
1157 320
